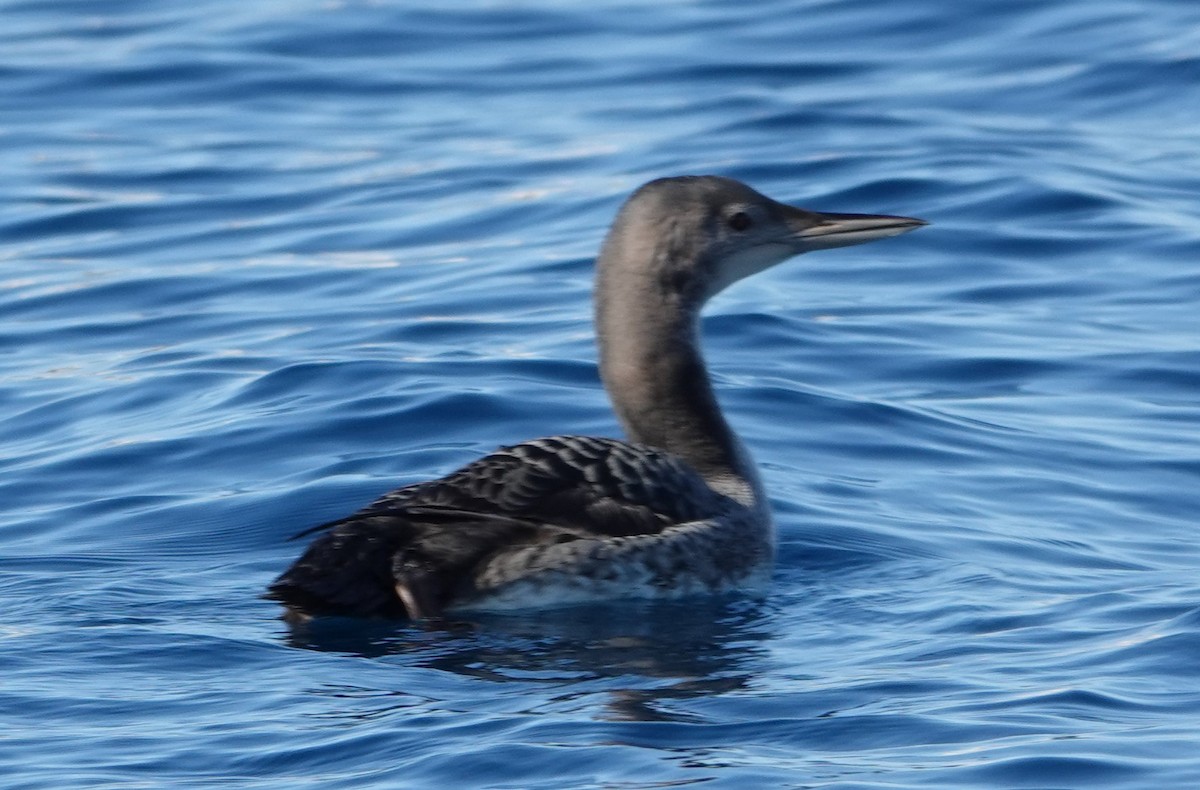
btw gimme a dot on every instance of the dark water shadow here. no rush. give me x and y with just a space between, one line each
642 655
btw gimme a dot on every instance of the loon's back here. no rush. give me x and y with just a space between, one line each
556 519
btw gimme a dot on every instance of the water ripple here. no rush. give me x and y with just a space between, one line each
265 261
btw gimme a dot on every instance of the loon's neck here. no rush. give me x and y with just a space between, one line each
654 372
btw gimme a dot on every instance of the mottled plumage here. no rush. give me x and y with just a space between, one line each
677 511
574 504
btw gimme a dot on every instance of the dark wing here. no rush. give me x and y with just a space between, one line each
603 487
412 550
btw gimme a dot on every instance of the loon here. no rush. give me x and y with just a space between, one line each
677 510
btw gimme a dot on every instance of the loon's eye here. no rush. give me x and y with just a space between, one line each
740 221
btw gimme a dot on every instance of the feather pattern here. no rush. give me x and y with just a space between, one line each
556 512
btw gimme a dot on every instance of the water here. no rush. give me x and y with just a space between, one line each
263 261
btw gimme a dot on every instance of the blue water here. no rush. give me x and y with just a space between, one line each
261 261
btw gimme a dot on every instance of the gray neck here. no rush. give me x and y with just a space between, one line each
650 361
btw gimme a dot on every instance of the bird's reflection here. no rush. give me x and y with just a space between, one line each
646 654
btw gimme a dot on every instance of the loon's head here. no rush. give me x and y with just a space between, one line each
693 236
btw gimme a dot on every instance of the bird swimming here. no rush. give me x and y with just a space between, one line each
676 510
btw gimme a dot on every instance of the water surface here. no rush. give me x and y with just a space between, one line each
260 262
